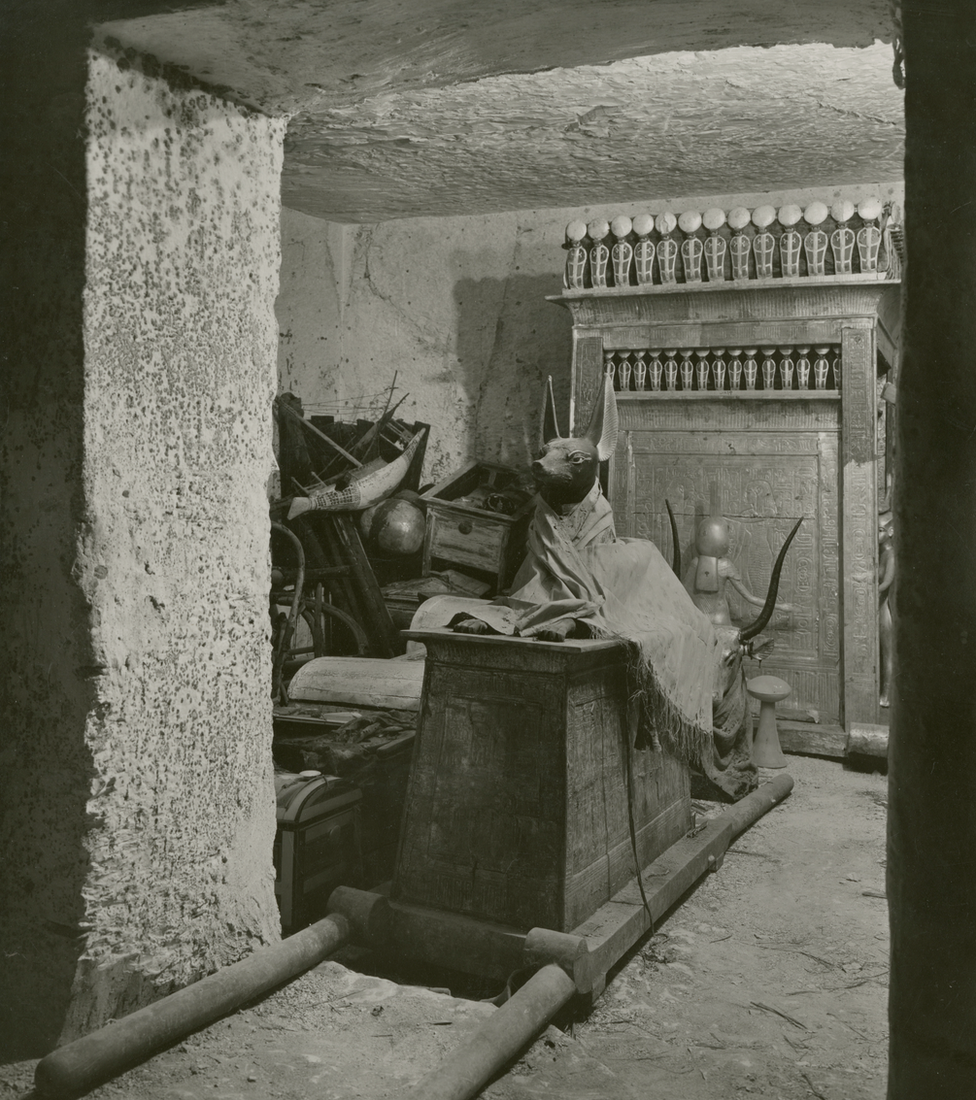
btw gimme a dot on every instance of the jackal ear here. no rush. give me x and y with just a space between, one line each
602 432
550 426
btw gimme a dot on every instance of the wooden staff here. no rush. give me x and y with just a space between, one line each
320 435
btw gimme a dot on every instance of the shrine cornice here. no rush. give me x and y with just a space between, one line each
759 311
842 296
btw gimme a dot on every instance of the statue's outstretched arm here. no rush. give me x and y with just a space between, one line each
756 601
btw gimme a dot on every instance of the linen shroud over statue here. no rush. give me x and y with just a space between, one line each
577 569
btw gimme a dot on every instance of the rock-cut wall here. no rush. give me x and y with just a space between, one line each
182 259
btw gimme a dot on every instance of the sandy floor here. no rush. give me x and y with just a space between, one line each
768 979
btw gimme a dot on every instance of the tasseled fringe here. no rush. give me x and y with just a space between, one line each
660 720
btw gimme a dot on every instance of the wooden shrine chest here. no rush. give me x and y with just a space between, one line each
461 532
517 807
766 389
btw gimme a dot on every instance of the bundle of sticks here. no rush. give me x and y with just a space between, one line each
332 455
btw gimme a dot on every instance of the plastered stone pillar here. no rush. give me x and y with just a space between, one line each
182 254
932 751
45 645
136 794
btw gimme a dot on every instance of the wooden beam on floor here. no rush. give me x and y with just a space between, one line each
812 739
833 742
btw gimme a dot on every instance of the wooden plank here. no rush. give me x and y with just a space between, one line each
810 739
588 888
524 647
616 926
460 943
859 533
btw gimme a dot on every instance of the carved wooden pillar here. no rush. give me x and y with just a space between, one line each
588 368
859 525
932 749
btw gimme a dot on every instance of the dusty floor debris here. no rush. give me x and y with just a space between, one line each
769 979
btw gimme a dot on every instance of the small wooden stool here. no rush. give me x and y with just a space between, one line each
769 690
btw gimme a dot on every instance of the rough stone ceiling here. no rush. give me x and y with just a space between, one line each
436 107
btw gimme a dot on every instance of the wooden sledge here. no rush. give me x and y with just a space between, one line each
514 854
518 827
517 740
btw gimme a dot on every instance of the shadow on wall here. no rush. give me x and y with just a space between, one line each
46 663
509 338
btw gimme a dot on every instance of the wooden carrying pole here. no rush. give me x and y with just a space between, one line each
499 1039
466 1070
79 1066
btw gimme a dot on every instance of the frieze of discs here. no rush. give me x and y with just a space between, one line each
734 246
726 370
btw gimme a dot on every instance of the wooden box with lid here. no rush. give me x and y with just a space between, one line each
317 845
467 528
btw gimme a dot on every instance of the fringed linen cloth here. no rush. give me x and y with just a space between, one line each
576 568
730 766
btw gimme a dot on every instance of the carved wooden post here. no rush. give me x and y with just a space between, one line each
932 753
587 380
859 526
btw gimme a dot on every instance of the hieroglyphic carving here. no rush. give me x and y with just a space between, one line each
587 379
588 765
760 503
859 543
858 393
771 468
810 681
829 546
821 414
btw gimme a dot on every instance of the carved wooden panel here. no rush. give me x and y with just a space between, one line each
772 463
810 303
514 808
588 357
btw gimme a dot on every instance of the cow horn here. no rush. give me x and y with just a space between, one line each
675 545
550 425
603 429
753 629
